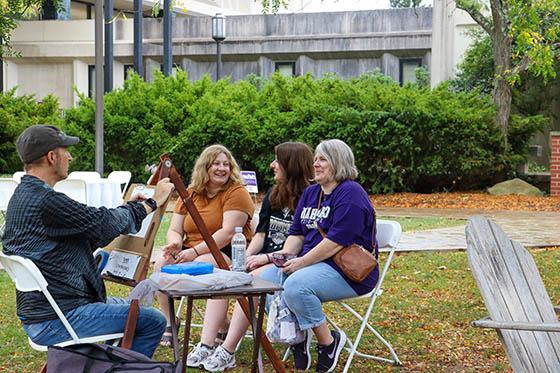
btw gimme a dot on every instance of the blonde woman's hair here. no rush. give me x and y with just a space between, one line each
340 157
199 176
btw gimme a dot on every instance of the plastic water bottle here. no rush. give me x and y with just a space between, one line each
238 246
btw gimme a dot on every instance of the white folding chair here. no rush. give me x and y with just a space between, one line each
18 175
122 177
7 188
27 277
388 236
73 188
84 175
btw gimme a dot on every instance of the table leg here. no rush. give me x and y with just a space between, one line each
187 334
174 329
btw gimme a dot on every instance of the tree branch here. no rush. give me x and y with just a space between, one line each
473 8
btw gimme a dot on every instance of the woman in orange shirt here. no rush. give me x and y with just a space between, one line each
223 202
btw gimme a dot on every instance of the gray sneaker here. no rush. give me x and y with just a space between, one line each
197 356
220 360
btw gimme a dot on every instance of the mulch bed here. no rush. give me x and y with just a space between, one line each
471 200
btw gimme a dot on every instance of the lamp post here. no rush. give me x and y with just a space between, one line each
219 35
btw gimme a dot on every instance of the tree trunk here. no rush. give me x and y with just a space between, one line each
501 45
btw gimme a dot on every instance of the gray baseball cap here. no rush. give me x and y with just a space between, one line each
38 140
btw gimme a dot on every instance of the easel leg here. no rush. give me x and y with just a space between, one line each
44 368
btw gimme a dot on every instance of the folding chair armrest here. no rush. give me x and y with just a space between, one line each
516 325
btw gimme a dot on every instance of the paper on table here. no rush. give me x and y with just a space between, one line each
121 264
147 193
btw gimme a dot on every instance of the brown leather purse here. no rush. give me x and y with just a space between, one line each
354 260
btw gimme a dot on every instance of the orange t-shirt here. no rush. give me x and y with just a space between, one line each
212 211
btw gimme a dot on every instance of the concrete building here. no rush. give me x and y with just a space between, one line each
58 56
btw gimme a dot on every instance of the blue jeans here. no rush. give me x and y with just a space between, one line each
102 318
307 288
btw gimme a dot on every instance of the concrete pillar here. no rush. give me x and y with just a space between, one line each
80 80
10 75
266 67
305 65
118 74
390 66
151 65
555 163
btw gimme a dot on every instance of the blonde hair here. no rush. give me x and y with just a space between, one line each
199 176
339 155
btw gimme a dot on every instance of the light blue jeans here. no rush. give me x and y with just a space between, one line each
102 318
307 288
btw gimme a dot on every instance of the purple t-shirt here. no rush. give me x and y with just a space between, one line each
346 216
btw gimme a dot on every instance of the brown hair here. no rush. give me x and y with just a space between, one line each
200 178
296 160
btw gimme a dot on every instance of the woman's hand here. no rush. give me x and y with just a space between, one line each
187 255
256 261
171 250
293 265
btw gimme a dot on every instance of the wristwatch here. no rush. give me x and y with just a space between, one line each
151 203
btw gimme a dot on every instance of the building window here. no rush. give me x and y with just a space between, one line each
285 68
91 81
406 69
126 69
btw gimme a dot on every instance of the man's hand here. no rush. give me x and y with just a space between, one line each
293 265
163 190
256 261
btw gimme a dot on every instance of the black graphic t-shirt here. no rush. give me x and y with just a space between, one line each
275 224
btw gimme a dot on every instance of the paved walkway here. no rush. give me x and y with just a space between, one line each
532 229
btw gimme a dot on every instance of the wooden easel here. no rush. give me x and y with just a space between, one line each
143 247
166 169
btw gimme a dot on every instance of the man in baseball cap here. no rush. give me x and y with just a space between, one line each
38 140
59 235
46 145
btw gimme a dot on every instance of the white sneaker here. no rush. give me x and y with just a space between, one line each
197 356
220 360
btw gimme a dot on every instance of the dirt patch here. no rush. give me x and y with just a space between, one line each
470 200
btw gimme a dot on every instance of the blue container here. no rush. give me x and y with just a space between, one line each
188 268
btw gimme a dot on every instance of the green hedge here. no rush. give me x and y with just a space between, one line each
404 138
16 114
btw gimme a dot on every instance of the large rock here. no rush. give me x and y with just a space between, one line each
515 186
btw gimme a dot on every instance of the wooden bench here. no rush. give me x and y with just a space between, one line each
519 307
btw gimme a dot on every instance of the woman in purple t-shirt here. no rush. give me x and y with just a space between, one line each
342 208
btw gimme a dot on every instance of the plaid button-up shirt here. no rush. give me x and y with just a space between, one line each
59 235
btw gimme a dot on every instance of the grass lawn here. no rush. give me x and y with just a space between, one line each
425 311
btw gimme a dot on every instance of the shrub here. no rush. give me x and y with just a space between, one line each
16 114
404 138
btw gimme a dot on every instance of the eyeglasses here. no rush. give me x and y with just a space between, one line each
279 260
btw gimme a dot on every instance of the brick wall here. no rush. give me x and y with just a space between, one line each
555 163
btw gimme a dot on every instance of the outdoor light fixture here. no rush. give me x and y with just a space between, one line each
219 35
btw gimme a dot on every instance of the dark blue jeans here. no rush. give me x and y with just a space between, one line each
102 318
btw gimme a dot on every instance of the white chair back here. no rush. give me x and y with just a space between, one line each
7 188
388 233
84 175
27 277
18 175
122 177
73 188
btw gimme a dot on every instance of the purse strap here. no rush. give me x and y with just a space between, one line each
373 233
